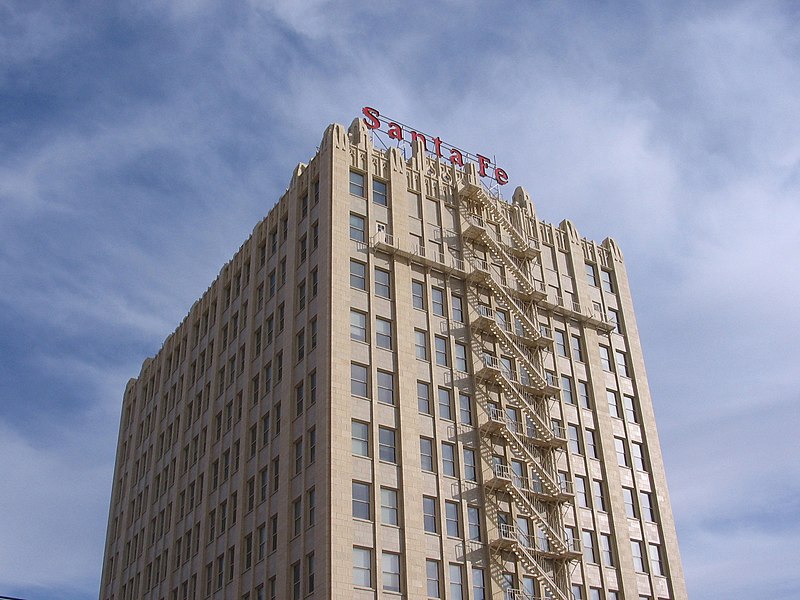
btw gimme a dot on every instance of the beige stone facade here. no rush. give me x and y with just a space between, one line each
400 387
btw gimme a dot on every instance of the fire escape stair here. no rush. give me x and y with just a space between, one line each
476 193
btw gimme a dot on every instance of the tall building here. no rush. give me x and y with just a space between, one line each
401 386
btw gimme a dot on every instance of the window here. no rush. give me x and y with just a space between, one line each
385 387
358 380
605 359
357 228
273 532
437 302
452 519
426 454
418 294
599 495
298 457
358 326
591 274
360 437
607 549
382 283
421 344
580 491
386 444
566 389
448 459
379 195
429 514
577 348
622 455
457 305
314 282
478 584
383 333
358 275
655 559
474 523
615 320
561 343
311 506
605 278
390 565
361 501
424 397
646 502
456 582
465 408
589 551
637 455
357 184
470 469
432 578
362 567
613 403
445 404
638 558
297 517
622 362
574 439
630 506
629 404
441 351
461 357
389 509
310 583
591 444
577 592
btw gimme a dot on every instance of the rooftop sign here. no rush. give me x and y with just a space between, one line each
398 131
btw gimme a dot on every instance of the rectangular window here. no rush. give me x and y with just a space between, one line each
608 285
566 389
474 523
451 519
629 404
389 507
561 343
273 532
423 397
637 456
360 437
638 557
383 286
449 459
358 275
437 302
385 387
421 344
386 444
630 506
358 326
432 578
615 320
656 564
607 549
465 408
429 514
383 333
605 359
418 294
390 565
310 573
613 403
478 584
358 380
591 274
357 228
622 455
297 517
461 357
456 582
580 491
362 567
470 468
577 348
591 444
589 552
445 404
646 502
598 495
574 439
426 454
361 501
622 363
357 184
379 195
457 305
441 351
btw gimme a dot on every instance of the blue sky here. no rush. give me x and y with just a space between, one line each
141 141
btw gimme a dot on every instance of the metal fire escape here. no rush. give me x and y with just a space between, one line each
498 260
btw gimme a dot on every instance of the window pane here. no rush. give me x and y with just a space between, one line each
379 195
362 567
357 184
